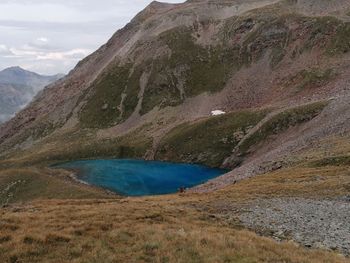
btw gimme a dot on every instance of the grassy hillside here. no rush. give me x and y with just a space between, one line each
207 141
174 228
281 122
26 184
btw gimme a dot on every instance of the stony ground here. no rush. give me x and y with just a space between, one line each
313 223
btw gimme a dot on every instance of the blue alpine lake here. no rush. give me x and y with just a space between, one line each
140 178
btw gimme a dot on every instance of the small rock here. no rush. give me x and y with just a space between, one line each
104 107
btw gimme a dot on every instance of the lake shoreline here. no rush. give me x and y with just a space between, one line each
127 177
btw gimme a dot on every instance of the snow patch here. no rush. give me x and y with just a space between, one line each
217 112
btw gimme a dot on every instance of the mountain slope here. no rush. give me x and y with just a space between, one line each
18 87
174 64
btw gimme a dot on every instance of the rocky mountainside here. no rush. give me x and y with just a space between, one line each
18 87
278 68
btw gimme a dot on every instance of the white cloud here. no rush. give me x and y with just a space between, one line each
29 51
23 52
41 43
50 36
78 53
42 39
4 50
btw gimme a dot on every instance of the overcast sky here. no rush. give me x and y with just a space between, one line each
50 36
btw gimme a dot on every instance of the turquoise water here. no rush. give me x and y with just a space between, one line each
138 177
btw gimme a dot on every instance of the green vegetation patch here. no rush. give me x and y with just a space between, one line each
311 78
282 122
267 35
207 68
101 110
277 55
133 88
341 42
133 145
23 185
161 89
258 33
207 141
320 29
81 144
332 161
103 107
199 69
115 148
211 71
329 33
267 30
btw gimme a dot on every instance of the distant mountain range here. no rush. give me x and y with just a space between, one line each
18 87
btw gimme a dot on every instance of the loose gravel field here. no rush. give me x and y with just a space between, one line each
313 223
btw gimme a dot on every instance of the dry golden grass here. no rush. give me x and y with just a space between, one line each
25 184
171 228
134 230
329 146
299 181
